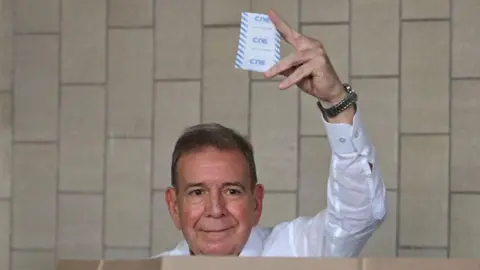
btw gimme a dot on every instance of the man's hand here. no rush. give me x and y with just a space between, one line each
309 67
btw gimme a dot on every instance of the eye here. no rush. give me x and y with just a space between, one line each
195 192
233 191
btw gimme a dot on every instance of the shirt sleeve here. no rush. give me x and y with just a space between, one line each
356 198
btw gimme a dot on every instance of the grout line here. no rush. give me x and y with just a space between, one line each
299 126
313 136
250 83
58 141
12 139
323 23
82 84
464 78
127 247
420 134
37 34
350 77
424 19
422 248
222 25
465 192
177 79
449 211
106 131
125 27
202 60
79 192
14 142
274 191
374 76
153 131
399 129
123 137
33 250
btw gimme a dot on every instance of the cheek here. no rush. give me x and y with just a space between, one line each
191 213
240 209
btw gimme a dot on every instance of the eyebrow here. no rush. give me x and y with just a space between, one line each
227 184
235 183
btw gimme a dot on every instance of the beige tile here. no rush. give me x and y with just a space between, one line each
82 138
4 234
224 11
5 145
34 195
465 226
311 122
126 253
185 37
26 260
335 39
324 11
465 38
274 127
130 85
6 44
465 136
315 156
423 253
128 190
169 95
36 87
378 107
275 201
383 242
425 77
288 11
35 16
375 37
225 89
83 41
80 225
165 234
423 219
425 9
130 13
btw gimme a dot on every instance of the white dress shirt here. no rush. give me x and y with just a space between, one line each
356 206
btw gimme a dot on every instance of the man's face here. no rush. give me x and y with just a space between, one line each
215 205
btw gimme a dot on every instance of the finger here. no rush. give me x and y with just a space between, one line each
287 72
290 61
285 30
299 74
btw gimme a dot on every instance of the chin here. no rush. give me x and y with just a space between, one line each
220 251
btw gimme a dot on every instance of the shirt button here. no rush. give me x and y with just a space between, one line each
342 140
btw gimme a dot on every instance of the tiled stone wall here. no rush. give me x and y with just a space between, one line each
95 92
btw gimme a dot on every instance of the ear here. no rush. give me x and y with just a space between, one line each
172 204
258 194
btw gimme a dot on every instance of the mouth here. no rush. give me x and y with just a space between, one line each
216 231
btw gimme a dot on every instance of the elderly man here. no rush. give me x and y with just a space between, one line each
215 199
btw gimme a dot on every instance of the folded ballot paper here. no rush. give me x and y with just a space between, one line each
258 44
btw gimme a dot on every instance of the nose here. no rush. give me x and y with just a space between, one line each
216 205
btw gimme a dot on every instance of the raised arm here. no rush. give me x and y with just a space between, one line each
356 192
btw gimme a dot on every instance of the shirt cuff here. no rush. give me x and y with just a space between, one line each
345 138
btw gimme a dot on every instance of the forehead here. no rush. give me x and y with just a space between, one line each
211 166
